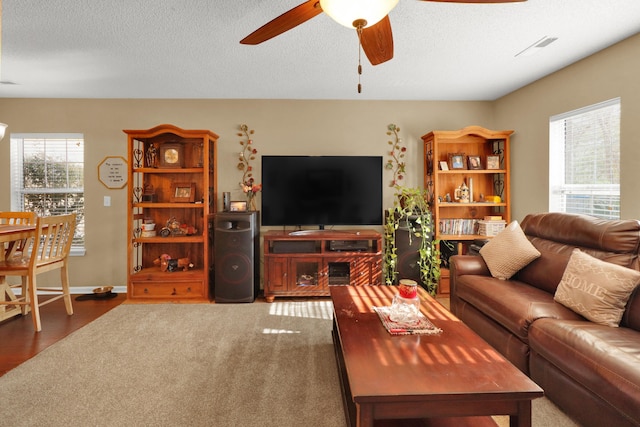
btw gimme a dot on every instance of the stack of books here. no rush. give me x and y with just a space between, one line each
491 225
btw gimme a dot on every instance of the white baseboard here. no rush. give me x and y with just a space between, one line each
78 290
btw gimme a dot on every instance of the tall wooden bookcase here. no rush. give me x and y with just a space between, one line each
458 221
172 184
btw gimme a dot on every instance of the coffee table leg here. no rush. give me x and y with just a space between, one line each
364 415
523 419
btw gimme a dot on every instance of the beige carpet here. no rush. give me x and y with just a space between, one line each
197 365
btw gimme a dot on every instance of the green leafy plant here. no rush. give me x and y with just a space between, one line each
411 213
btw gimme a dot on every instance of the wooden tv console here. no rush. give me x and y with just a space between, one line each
305 263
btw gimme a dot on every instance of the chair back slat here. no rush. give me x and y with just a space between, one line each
18 218
54 236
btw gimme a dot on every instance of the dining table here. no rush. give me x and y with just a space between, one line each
10 237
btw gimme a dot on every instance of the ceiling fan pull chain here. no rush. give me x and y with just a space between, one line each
359 31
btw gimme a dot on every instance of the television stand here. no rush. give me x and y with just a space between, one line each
302 264
321 231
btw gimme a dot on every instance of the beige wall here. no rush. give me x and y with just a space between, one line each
330 127
281 127
611 73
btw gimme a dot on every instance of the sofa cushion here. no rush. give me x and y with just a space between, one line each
508 252
512 304
615 241
631 317
596 289
546 271
604 360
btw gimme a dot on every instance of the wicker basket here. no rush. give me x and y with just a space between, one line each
490 228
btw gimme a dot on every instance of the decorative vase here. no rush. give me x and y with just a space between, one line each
251 201
405 307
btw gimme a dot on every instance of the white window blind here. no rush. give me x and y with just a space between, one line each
584 161
47 177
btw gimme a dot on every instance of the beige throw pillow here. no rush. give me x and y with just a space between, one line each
508 252
596 289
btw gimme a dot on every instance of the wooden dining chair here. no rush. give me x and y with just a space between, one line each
48 250
16 249
16 218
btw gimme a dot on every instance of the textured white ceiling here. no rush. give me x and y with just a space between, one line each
191 49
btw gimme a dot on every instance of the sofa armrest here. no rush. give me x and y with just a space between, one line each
468 264
460 265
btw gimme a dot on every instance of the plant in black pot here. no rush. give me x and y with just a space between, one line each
409 247
409 222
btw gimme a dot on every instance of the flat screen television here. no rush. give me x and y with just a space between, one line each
321 190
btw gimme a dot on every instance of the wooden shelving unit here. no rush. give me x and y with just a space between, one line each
159 191
469 141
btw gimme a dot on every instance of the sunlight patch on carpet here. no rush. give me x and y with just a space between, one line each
304 309
268 331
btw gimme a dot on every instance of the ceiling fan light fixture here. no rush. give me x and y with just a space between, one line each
347 12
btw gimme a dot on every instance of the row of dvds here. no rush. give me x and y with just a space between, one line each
458 226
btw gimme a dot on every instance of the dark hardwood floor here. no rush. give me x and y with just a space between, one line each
19 342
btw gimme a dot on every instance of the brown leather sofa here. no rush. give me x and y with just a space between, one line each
591 371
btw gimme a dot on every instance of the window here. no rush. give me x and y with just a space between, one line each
584 161
47 177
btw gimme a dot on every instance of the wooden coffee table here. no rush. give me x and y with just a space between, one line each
426 378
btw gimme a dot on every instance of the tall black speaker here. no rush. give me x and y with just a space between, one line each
236 256
407 246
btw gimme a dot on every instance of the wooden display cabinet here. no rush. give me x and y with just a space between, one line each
452 219
172 184
307 264
472 141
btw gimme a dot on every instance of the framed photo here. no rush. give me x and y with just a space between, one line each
444 166
474 162
183 192
238 206
457 161
493 162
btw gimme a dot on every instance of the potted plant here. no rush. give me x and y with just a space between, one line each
411 213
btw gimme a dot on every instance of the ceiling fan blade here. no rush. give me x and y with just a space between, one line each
377 42
475 1
284 22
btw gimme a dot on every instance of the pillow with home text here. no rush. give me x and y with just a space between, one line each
596 289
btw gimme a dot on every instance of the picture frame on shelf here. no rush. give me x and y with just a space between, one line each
183 192
457 161
474 162
444 166
493 162
238 206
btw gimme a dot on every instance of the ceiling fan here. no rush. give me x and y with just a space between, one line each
369 18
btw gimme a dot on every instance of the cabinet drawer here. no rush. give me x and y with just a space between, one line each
167 290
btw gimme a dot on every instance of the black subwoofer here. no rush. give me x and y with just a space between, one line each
236 257
407 246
